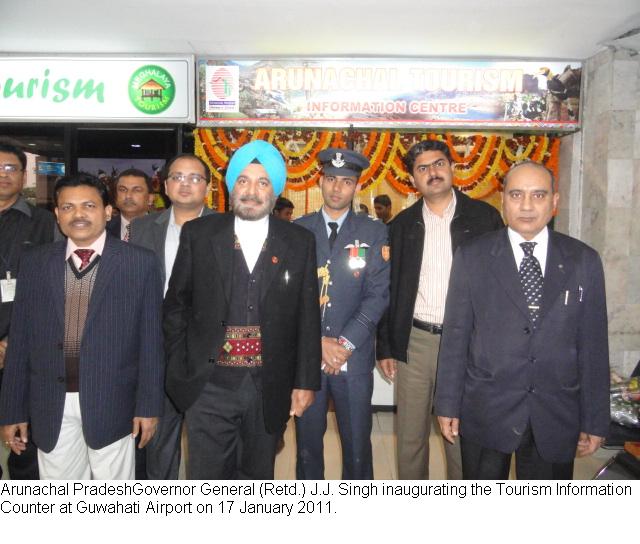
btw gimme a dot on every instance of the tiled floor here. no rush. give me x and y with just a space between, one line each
384 453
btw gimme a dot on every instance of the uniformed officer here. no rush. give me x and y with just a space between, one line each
353 277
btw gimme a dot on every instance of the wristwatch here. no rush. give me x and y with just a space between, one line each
346 344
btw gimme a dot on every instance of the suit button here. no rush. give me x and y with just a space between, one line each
250 307
223 323
60 379
526 330
59 346
328 328
329 304
532 359
531 389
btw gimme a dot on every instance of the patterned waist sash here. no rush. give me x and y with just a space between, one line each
242 347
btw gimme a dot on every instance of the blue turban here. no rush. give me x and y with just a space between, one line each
268 156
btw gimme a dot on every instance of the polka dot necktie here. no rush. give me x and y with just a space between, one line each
127 232
334 233
531 279
85 257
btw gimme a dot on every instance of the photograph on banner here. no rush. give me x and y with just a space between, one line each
390 92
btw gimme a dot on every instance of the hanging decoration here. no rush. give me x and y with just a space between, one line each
481 160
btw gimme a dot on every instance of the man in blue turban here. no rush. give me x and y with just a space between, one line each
242 325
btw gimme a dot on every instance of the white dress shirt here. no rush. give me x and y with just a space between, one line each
97 246
539 250
251 235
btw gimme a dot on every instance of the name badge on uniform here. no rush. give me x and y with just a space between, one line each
357 255
8 288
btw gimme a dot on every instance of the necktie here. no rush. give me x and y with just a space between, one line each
334 233
85 256
127 232
531 279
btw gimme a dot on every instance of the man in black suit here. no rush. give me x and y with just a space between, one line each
85 364
423 240
524 361
133 196
186 183
21 226
242 324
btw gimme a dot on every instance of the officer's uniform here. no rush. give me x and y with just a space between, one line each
353 278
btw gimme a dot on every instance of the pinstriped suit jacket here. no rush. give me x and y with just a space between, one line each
121 356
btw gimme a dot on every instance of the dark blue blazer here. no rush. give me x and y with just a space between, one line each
121 357
357 298
497 371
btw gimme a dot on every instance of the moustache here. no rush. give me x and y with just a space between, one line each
249 198
434 178
80 223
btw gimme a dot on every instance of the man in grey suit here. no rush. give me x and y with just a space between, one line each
524 361
353 278
85 364
186 183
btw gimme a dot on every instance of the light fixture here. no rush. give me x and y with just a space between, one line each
136 145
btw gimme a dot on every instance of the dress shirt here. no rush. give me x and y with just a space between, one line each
539 250
437 257
97 246
171 243
251 235
123 226
328 220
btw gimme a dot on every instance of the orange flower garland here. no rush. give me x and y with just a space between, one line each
481 160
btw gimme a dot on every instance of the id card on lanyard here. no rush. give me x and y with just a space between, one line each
8 288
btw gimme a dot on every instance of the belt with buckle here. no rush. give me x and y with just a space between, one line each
428 327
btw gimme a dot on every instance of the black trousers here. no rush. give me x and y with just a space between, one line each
479 463
226 435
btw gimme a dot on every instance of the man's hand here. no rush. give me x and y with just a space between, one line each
449 428
588 444
333 355
147 427
389 367
3 351
17 444
301 399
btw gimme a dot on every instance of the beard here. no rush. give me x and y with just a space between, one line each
241 206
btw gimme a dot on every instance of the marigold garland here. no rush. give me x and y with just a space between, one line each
481 159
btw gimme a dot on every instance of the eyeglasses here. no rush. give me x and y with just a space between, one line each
195 179
10 168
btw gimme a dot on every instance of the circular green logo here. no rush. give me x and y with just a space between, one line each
151 89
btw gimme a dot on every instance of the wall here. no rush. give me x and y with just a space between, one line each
600 191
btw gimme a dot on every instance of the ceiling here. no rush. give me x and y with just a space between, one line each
550 29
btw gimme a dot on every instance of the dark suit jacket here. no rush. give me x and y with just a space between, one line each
357 298
113 226
121 357
150 231
196 308
497 371
471 218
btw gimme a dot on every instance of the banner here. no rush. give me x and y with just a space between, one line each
394 93
104 89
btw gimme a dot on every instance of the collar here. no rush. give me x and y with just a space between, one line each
328 219
21 205
541 239
172 216
448 211
97 246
